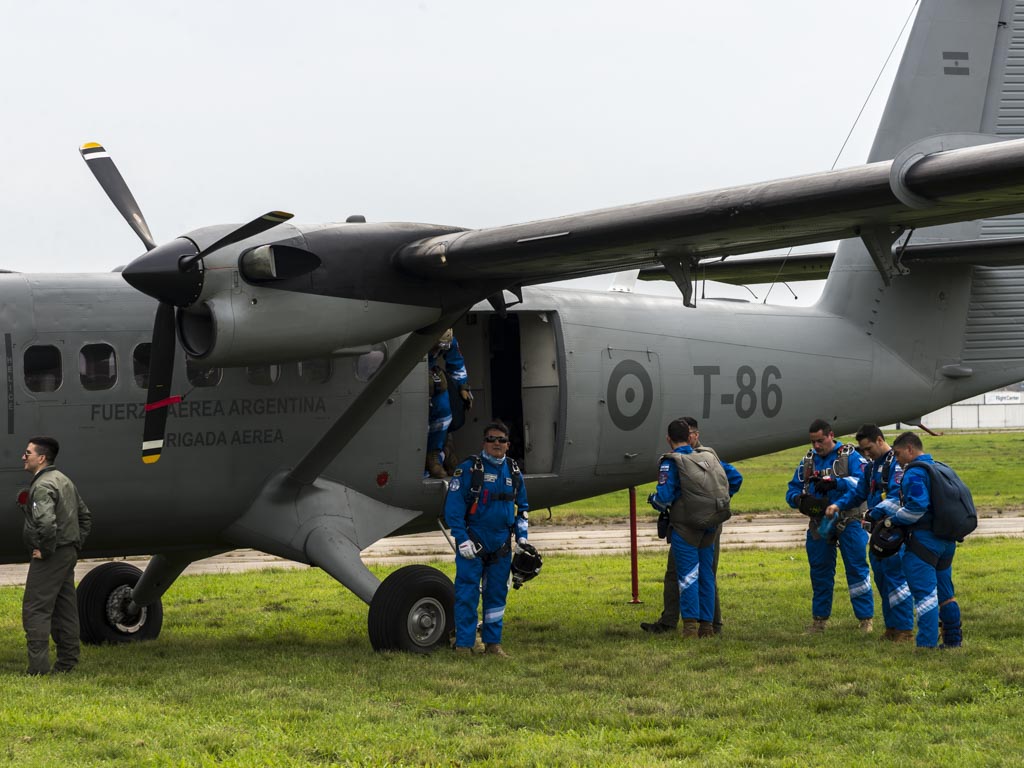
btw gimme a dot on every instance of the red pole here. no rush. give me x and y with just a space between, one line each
632 545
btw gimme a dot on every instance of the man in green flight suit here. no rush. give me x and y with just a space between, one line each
57 523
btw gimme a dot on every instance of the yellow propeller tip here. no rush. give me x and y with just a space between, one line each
91 145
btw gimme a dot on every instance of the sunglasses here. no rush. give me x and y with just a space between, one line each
495 439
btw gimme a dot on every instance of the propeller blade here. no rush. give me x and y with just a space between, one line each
110 179
254 227
158 396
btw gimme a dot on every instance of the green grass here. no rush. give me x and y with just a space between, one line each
990 464
273 668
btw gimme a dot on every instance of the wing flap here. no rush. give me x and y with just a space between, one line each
995 252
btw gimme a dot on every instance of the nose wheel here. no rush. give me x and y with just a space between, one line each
106 612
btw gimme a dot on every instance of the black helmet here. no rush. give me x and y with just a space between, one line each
886 539
813 506
526 563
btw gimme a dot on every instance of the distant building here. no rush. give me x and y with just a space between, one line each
1000 409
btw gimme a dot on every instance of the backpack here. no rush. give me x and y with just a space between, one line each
953 512
704 489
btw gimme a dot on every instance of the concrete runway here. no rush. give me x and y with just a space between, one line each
741 531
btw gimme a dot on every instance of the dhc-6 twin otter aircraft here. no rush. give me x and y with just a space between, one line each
302 433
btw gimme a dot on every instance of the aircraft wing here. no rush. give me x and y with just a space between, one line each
876 200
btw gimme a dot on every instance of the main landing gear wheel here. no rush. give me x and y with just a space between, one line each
105 611
413 610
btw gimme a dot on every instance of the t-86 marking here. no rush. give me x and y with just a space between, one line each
753 392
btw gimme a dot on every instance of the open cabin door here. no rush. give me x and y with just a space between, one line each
516 376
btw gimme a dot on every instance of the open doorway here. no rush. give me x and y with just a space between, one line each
516 371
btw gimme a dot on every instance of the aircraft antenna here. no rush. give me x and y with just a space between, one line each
853 127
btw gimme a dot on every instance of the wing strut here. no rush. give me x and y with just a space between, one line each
366 403
681 272
879 241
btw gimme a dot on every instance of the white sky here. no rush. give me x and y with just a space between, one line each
458 112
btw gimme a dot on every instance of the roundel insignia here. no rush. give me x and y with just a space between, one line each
630 395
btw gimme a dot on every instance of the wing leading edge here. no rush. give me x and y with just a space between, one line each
876 201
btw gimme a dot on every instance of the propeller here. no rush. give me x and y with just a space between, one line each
172 274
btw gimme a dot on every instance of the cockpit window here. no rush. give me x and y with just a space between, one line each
202 375
43 372
367 365
97 367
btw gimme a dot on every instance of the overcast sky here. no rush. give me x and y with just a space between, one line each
459 112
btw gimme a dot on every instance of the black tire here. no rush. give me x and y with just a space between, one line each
413 610
103 595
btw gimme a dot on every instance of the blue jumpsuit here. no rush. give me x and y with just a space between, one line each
491 526
694 566
439 417
931 585
897 604
853 543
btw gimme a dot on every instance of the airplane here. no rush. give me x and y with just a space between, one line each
301 430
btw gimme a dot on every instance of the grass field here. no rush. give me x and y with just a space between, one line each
988 462
273 668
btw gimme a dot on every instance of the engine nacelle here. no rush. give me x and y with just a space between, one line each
253 325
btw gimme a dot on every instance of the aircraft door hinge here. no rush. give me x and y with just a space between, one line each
681 272
879 240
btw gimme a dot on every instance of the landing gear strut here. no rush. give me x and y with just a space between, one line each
413 610
106 611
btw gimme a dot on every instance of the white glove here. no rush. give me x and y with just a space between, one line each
467 549
521 540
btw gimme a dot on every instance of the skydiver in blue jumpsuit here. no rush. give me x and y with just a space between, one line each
670 593
444 363
881 479
484 513
852 540
693 546
927 559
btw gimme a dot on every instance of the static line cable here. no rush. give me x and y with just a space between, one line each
874 85
853 127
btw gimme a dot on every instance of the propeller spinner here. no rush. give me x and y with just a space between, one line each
172 273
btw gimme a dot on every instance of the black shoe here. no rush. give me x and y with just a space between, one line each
655 628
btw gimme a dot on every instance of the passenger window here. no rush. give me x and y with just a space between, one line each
140 365
202 375
97 367
367 365
43 371
264 375
315 371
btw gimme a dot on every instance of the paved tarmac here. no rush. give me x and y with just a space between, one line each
741 531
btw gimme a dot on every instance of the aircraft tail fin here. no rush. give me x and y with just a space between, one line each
956 320
962 72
